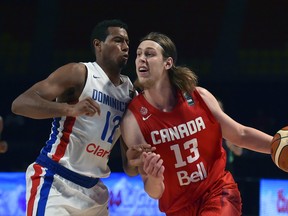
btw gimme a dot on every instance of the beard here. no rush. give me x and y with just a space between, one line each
115 63
122 64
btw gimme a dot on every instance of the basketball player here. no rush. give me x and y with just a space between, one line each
87 101
186 125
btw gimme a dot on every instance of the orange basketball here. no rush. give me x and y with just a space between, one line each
279 149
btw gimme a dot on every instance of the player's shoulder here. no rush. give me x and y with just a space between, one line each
71 74
71 68
202 91
206 95
77 66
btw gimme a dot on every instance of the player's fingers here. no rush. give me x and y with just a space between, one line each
147 148
157 167
145 145
93 110
146 162
137 148
97 109
148 156
161 172
150 162
95 105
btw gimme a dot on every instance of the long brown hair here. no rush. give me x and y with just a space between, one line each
181 77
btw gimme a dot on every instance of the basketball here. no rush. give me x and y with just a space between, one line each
279 149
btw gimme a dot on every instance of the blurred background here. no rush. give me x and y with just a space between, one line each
238 48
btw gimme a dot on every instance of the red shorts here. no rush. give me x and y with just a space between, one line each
222 199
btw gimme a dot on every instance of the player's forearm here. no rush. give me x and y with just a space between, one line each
154 187
127 167
39 108
256 140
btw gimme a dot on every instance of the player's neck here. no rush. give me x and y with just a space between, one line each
164 100
113 73
116 80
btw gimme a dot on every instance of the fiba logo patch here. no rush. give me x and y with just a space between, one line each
189 99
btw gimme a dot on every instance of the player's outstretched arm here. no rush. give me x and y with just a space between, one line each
57 95
236 133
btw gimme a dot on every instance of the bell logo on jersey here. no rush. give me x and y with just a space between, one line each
199 175
97 150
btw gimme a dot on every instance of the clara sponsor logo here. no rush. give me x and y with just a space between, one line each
92 148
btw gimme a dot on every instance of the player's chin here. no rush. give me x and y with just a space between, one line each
123 62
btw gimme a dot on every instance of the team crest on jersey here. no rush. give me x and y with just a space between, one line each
143 111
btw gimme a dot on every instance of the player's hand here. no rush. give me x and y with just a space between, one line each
235 149
153 165
134 153
86 107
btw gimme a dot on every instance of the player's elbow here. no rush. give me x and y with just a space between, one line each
15 108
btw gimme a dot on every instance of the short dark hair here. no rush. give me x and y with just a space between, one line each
100 31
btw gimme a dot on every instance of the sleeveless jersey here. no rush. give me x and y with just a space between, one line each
83 144
189 140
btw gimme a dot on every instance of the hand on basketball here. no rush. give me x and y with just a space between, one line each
153 165
86 107
134 153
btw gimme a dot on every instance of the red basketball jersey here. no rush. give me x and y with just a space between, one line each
189 140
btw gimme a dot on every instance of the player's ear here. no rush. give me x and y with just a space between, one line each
168 63
97 44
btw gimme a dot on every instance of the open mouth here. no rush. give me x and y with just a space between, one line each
143 71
